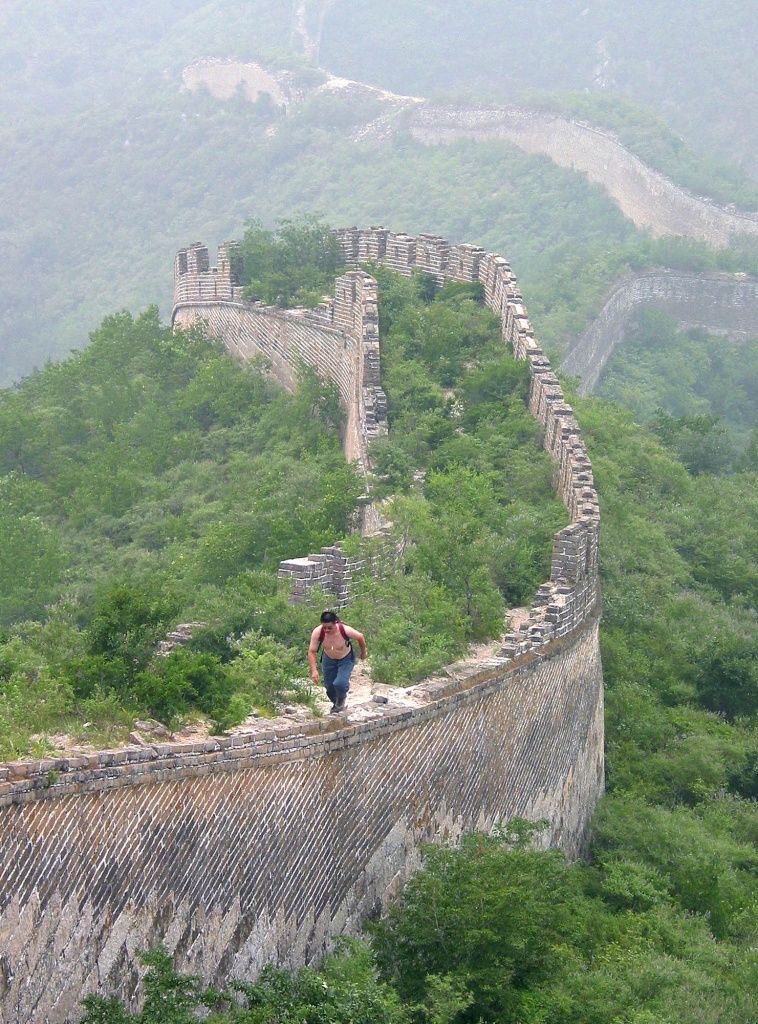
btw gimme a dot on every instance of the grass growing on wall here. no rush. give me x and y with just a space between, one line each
471 486
150 480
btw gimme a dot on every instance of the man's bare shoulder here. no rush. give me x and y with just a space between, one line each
351 632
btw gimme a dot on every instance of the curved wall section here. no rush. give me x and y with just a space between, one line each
572 593
236 852
339 338
648 198
267 845
720 303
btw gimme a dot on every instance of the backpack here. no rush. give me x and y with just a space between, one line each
345 637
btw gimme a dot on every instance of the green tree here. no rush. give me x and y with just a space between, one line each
453 537
727 678
293 265
698 441
492 916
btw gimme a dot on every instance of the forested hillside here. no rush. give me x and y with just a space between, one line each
110 167
699 390
691 63
659 925
148 480
132 470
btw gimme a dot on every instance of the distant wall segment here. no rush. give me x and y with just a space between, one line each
726 304
267 845
647 197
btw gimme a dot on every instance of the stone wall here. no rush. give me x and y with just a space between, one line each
721 303
235 851
572 591
340 338
645 196
267 845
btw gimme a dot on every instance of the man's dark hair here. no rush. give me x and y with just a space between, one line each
329 617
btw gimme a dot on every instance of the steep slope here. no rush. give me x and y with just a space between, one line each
110 167
720 303
645 196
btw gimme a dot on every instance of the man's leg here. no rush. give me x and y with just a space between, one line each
342 681
330 668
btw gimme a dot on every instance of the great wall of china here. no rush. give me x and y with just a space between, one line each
725 304
645 196
264 846
719 303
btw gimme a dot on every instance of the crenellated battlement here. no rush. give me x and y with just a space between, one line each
195 279
573 590
341 338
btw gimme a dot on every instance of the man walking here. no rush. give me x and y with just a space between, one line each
337 658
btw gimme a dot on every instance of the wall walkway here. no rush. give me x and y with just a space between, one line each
647 197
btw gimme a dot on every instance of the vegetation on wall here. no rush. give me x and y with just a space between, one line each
471 487
659 924
294 265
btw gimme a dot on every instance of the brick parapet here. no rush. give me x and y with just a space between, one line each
336 572
250 848
286 335
268 742
574 560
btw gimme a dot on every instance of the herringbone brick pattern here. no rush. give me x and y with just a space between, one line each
270 854
237 850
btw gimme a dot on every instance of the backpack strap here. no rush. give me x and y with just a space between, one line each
346 638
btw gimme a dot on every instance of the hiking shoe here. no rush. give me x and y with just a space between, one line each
336 708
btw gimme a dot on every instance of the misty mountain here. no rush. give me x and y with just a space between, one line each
691 63
111 163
